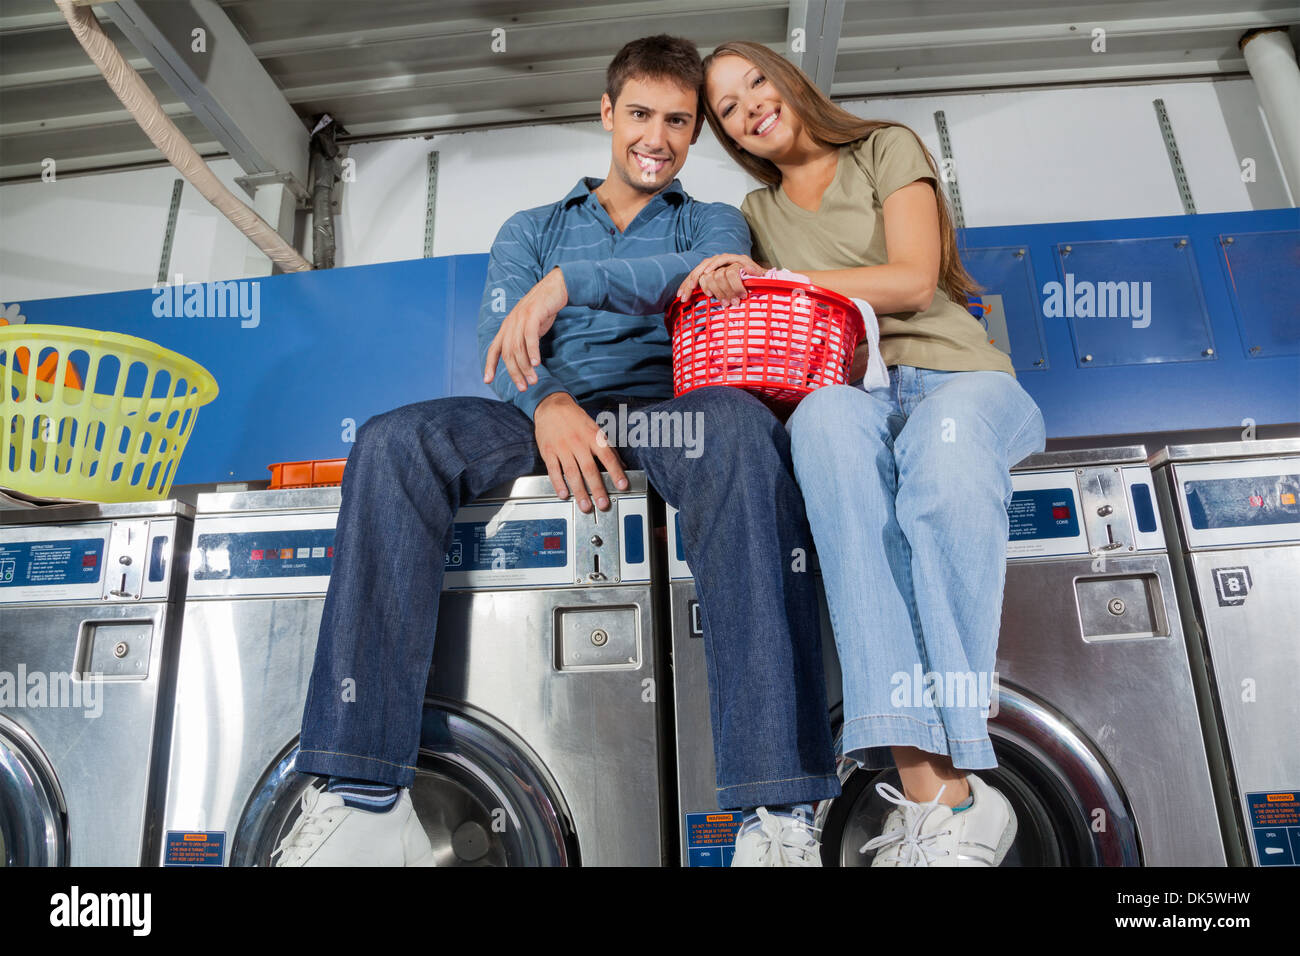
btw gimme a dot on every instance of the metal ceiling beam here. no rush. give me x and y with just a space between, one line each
666 16
879 42
819 23
225 86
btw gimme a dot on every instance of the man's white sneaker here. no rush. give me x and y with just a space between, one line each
930 834
328 833
777 840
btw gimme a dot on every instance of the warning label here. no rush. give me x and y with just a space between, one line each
711 837
1275 826
194 849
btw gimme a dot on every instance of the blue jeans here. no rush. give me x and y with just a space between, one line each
907 491
742 517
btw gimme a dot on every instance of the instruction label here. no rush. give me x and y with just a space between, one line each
194 848
1275 827
711 837
75 561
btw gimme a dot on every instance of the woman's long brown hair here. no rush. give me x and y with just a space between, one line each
831 125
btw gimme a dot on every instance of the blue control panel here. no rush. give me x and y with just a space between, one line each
1243 502
512 545
265 554
34 563
1043 513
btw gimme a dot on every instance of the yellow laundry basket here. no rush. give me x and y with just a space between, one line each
94 415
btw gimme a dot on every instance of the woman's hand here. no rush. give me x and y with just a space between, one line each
719 277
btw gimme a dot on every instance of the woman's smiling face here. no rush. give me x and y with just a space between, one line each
750 108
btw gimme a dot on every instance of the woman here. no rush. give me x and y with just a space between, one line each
906 486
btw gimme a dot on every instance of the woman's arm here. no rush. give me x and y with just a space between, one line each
908 281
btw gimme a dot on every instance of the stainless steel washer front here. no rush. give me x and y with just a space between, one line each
1093 717
89 613
540 742
1233 514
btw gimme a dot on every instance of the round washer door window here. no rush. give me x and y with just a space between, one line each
33 815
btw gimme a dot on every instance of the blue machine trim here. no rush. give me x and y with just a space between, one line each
1144 511
633 539
157 558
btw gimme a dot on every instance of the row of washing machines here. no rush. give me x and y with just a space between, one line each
154 660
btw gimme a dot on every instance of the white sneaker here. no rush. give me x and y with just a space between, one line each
930 834
328 833
777 840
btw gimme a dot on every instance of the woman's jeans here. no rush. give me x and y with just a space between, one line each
907 492
742 518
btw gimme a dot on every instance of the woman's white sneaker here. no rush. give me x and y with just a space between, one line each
930 834
328 833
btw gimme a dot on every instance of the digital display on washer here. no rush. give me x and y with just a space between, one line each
294 553
513 544
28 563
1042 513
1243 502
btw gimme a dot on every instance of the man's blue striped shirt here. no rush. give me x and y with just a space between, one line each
610 338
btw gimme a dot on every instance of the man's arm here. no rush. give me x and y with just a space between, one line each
514 268
646 285
569 442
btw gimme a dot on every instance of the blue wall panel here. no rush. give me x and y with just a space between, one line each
350 343
1215 393
331 345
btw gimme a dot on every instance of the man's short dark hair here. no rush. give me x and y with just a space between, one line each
660 57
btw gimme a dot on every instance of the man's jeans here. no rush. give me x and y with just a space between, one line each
907 492
742 518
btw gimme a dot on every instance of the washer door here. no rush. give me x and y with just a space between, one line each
1069 809
33 814
482 799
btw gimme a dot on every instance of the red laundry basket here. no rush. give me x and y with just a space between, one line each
781 342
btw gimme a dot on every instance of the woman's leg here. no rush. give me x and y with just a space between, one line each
964 432
842 446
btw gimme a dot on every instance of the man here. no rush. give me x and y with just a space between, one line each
586 281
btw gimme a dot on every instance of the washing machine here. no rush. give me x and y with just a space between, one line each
706 834
1233 522
1093 719
90 602
542 736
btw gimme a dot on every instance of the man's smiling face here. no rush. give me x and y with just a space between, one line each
654 123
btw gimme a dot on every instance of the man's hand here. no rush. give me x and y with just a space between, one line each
516 340
570 442
719 276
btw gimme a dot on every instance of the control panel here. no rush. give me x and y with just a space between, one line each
1253 501
107 561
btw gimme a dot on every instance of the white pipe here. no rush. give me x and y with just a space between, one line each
1272 65
162 132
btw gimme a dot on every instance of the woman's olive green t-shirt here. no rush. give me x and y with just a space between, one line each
848 231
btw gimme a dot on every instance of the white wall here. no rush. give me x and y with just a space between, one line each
1045 155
